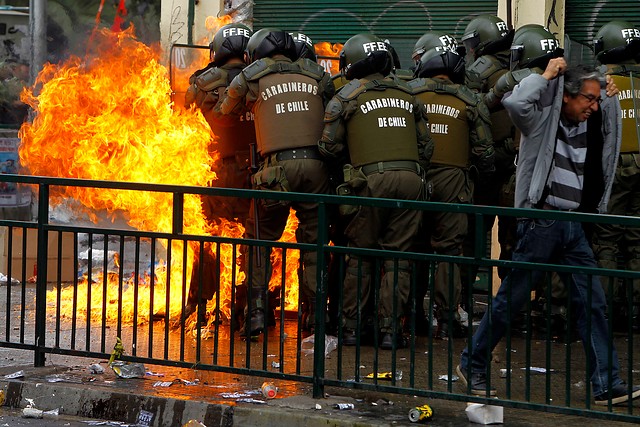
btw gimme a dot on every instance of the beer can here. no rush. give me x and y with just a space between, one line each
420 413
344 406
269 390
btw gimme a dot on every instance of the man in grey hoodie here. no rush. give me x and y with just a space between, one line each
570 143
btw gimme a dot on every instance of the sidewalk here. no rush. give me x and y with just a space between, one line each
217 399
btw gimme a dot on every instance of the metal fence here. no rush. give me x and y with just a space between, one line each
61 298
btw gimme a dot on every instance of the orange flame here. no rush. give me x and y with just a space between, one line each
109 116
329 56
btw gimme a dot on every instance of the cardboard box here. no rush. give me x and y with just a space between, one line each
29 257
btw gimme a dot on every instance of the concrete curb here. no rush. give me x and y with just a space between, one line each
79 400
125 403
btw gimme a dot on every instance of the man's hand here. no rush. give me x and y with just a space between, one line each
611 87
555 67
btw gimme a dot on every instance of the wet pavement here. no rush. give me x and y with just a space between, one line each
175 395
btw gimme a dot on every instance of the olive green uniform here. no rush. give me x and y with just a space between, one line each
234 134
287 99
377 130
482 76
611 241
460 127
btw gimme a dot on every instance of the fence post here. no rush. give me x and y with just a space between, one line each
321 303
41 279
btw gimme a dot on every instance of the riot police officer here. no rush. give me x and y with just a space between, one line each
487 41
288 100
617 46
460 126
377 131
234 135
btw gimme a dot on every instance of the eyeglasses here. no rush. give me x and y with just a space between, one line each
591 98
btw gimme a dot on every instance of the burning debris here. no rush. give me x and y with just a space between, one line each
109 116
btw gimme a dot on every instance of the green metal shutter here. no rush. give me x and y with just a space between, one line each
401 22
583 19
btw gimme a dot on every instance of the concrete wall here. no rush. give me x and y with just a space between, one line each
549 13
174 21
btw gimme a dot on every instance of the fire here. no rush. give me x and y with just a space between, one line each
109 116
329 54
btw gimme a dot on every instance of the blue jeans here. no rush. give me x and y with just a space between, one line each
557 242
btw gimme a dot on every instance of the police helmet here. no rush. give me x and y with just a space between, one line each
268 42
229 42
533 46
394 55
430 40
486 35
617 41
365 54
440 57
304 46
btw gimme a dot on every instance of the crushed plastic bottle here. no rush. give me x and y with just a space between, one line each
269 390
128 370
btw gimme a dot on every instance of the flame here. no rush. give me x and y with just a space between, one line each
293 256
329 56
109 116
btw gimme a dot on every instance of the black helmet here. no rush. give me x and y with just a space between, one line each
486 35
533 46
365 54
270 41
430 40
617 41
304 46
394 55
440 57
229 42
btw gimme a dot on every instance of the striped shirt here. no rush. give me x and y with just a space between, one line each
567 173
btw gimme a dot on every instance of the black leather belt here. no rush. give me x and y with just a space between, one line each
396 165
298 153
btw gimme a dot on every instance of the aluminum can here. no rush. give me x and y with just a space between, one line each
420 413
344 406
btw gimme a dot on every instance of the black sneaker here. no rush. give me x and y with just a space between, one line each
478 383
619 394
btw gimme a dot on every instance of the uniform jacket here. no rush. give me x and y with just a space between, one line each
534 106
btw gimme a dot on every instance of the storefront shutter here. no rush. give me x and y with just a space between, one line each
401 22
583 19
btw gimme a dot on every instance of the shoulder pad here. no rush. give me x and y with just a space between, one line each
405 75
258 69
483 68
467 95
351 90
333 110
311 69
519 75
418 85
211 79
403 86
461 92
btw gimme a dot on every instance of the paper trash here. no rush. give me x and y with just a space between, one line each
484 414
